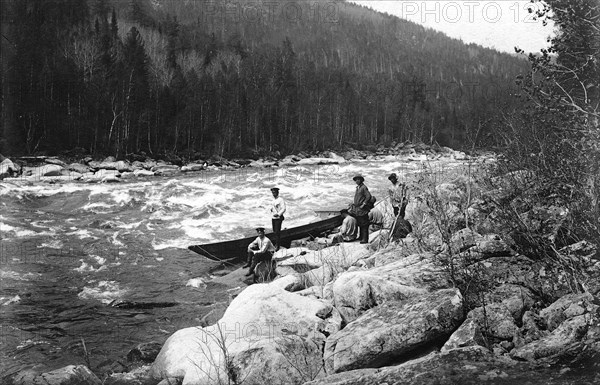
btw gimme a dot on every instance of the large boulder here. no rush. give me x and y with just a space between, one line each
566 307
394 329
357 291
567 339
472 365
537 276
46 170
123 166
259 337
7 168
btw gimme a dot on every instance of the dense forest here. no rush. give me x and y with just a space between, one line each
196 78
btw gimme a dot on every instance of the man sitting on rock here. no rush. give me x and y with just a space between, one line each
375 220
348 231
261 249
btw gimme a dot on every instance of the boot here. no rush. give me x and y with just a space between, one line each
364 234
248 261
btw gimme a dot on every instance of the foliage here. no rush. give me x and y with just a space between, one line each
165 76
557 137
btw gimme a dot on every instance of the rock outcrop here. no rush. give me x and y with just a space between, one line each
262 330
390 331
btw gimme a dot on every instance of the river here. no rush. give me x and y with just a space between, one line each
68 249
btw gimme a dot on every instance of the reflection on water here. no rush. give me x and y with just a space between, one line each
68 251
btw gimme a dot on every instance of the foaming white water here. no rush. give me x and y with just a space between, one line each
9 274
82 234
103 291
88 268
53 244
10 300
96 206
219 205
15 231
196 282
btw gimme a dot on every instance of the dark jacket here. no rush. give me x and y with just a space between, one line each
362 196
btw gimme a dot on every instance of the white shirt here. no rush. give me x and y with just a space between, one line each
263 244
278 207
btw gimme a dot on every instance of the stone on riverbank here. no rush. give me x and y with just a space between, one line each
263 328
355 292
69 375
391 331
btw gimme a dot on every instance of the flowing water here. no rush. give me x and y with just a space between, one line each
69 249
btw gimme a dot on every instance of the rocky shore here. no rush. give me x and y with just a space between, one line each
467 308
87 169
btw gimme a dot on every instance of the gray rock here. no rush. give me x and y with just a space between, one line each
123 166
192 167
266 332
137 376
468 334
69 375
472 365
394 329
566 339
355 292
517 299
496 320
47 170
566 307
80 168
55 161
143 172
144 352
464 239
165 169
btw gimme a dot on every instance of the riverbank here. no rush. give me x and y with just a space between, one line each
460 300
86 169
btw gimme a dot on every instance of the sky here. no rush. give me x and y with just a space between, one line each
500 24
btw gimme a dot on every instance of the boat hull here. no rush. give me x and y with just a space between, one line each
236 250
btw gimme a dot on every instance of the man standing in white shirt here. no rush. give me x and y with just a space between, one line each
398 196
261 249
277 211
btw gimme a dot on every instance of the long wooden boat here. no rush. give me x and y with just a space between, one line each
237 249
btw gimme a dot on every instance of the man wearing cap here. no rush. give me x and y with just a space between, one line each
398 196
261 249
277 211
360 208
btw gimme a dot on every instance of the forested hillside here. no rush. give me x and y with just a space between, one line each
118 77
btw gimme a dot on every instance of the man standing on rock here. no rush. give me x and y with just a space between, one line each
398 196
261 249
360 208
277 211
